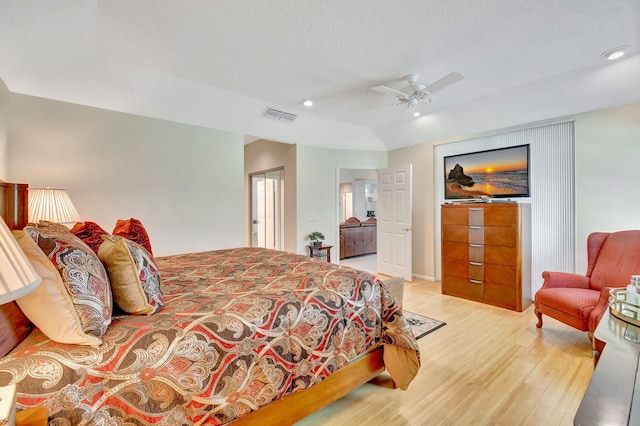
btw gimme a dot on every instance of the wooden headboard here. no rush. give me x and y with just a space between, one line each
14 204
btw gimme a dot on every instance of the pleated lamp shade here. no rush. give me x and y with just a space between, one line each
17 276
53 205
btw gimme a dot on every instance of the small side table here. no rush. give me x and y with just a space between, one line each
320 252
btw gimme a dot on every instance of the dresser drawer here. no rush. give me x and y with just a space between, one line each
500 274
458 233
500 294
476 216
476 234
476 271
455 267
476 253
457 250
500 236
454 216
500 216
455 286
500 255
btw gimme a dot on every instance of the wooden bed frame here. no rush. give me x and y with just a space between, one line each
288 410
297 406
14 206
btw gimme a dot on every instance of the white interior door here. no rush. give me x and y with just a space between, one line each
269 216
266 209
394 222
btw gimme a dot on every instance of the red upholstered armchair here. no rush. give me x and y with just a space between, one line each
581 300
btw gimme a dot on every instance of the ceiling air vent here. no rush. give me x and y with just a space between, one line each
279 115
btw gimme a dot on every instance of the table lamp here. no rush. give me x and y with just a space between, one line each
17 279
17 276
53 205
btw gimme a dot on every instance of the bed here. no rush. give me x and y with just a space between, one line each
245 335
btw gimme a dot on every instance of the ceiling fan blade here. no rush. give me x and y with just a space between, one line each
388 91
381 107
445 81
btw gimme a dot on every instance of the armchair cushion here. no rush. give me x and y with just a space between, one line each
572 306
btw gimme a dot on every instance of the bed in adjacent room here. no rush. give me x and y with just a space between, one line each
245 334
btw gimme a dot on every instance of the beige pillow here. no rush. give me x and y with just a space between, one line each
134 277
75 312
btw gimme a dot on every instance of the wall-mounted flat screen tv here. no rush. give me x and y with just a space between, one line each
495 173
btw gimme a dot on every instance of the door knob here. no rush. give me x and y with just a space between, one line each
406 229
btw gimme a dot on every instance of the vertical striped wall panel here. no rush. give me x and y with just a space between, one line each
551 178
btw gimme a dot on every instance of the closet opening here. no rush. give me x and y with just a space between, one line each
267 209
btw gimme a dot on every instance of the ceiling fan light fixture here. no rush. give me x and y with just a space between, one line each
417 93
615 53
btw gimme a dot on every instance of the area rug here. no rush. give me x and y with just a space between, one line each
420 324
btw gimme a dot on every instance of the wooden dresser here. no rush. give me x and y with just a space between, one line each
486 253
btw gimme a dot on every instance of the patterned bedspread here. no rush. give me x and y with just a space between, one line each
240 328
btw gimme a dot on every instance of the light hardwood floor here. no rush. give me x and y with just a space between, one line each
487 366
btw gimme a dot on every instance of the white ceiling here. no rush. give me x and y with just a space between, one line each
220 63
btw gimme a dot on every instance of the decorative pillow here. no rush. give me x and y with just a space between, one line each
51 225
134 276
73 303
14 327
132 229
90 233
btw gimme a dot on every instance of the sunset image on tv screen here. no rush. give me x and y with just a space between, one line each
500 173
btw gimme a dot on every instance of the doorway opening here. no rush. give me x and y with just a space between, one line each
357 218
267 209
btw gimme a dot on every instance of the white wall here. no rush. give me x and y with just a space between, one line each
607 174
317 188
185 183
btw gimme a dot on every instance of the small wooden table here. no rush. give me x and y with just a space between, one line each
320 252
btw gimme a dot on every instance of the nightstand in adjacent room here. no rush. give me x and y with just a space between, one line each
320 252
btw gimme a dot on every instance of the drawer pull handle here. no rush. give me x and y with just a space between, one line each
476 263
475 209
476 282
477 245
476 227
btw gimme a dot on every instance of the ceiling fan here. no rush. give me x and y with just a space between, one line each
415 93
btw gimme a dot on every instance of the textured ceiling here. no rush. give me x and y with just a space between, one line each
221 63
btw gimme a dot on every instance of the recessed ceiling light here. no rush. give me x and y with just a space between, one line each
615 53
416 114
308 103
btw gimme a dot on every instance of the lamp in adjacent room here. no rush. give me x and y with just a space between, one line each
17 276
53 205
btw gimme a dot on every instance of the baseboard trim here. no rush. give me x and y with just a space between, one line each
424 277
